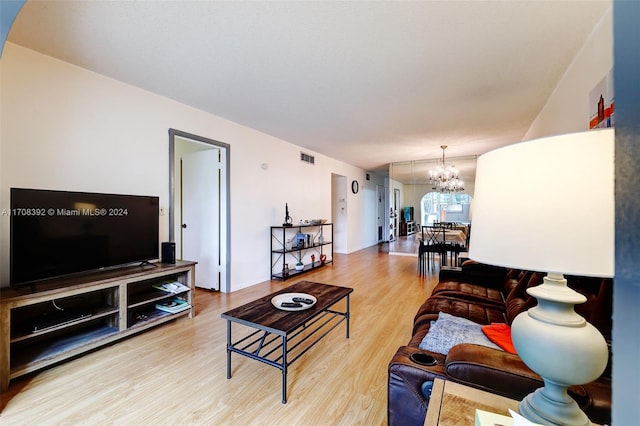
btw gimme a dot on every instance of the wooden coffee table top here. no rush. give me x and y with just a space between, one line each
263 315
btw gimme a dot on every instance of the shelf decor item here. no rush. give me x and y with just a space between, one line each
173 306
293 301
287 219
299 266
559 220
300 240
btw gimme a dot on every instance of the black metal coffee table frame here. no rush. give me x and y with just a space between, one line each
281 337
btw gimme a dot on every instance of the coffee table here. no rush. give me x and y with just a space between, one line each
281 337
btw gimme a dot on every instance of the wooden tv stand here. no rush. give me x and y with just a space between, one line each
70 316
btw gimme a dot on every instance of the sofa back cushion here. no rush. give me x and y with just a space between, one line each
518 300
598 309
484 274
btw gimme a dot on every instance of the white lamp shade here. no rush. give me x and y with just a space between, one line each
547 205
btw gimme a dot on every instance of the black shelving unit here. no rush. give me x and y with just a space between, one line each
307 244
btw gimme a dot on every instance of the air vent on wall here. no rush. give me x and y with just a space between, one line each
307 158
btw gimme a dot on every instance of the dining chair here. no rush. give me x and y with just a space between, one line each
432 243
462 252
455 248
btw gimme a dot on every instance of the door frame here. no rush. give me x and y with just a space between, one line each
225 207
381 212
396 207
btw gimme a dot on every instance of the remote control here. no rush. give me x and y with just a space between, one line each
303 300
291 305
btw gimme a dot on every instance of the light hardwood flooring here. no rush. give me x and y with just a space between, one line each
176 373
404 246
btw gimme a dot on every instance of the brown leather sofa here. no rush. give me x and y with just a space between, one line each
487 294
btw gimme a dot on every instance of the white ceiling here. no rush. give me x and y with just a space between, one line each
367 83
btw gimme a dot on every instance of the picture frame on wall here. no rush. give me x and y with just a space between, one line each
601 103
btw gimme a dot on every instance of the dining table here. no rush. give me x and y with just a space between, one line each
456 236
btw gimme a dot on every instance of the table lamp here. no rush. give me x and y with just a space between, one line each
547 205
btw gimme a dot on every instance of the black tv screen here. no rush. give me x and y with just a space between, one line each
57 233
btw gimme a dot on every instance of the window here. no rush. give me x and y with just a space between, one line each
441 207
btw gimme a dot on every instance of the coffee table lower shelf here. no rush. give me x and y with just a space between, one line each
281 346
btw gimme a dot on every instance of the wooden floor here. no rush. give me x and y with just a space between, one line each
176 373
404 246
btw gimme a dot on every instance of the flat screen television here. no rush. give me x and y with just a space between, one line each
59 233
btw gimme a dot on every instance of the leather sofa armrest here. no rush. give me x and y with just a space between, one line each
505 374
491 370
406 405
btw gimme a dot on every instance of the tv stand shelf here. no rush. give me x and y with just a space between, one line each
67 317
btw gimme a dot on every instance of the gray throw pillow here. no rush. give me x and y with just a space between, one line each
450 330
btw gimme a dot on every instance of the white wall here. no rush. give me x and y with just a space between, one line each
64 127
413 198
567 109
363 206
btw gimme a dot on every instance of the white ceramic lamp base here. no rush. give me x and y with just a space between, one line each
562 347
560 409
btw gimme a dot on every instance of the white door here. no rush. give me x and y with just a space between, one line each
201 215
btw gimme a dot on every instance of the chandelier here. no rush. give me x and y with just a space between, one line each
445 177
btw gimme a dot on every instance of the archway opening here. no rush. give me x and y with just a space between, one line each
445 207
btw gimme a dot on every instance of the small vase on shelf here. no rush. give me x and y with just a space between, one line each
299 266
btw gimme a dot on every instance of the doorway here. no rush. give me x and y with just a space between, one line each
381 212
339 212
199 206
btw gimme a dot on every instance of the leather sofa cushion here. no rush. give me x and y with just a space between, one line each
468 291
482 274
477 312
491 370
598 309
466 284
518 299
